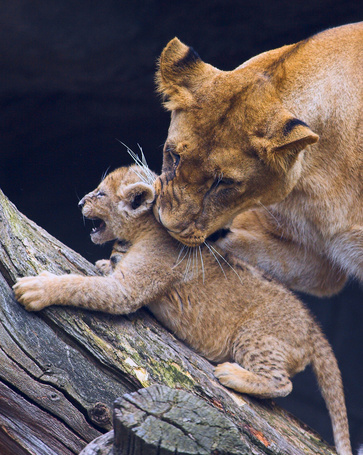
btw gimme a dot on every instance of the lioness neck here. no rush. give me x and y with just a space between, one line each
304 87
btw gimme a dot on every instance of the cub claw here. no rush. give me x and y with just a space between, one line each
31 291
228 374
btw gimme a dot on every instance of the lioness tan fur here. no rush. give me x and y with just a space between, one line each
228 313
278 142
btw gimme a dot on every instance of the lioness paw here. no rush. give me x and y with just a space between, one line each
33 292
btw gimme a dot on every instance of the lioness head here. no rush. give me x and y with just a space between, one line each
231 144
118 203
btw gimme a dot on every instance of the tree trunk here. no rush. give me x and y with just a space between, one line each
63 368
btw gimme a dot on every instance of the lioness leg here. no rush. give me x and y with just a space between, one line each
256 238
347 251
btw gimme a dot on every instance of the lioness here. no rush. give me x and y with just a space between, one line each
280 139
227 312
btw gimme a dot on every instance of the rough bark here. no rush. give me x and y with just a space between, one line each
159 419
63 368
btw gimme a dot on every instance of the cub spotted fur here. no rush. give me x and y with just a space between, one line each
257 331
279 138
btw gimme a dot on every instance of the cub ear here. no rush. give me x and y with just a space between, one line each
285 141
179 70
137 197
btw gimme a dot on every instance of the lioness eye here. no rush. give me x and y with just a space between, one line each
170 150
226 182
222 182
175 157
100 194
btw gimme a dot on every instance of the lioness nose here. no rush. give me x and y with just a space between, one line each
158 186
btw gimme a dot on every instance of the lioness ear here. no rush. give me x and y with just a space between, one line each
285 143
179 71
137 197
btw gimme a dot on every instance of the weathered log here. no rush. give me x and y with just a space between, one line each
103 445
159 418
62 368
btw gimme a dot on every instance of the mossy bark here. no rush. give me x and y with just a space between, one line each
63 368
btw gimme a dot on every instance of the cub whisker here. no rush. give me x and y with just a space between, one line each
105 173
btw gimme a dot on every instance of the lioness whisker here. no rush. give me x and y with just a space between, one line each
190 270
201 261
181 249
179 261
192 259
194 263
215 257
145 165
196 260
148 177
225 260
270 213
187 264
141 177
143 159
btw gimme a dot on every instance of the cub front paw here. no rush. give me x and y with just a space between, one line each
104 266
33 292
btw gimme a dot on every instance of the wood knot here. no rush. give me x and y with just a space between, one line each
100 414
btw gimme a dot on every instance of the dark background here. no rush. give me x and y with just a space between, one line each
77 75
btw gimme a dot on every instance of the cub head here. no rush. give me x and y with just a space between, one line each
119 204
231 144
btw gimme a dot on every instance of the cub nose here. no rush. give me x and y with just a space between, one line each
81 203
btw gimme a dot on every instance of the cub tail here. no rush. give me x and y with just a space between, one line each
325 367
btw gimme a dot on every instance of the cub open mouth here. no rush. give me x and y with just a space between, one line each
100 227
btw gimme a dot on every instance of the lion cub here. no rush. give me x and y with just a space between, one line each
223 308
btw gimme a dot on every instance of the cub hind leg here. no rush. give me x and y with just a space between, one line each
235 377
261 369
